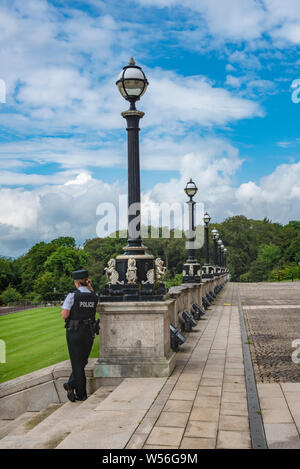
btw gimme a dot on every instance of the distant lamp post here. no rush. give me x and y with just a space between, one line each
222 256
215 234
191 269
207 270
299 255
133 276
225 258
220 242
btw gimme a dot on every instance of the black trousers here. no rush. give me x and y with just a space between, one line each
80 343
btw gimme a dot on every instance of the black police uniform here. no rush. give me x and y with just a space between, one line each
80 336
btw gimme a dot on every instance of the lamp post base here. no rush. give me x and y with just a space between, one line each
207 271
191 272
134 276
135 340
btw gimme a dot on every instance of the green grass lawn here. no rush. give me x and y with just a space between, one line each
34 338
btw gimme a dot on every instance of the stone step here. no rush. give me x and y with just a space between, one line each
111 424
7 426
56 427
27 421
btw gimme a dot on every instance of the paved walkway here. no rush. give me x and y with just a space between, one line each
272 314
204 403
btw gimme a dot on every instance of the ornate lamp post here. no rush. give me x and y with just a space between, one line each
219 253
207 270
191 269
134 275
222 256
299 256
225 255
215 234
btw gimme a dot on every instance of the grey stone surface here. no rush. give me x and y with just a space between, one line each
104 430
32 399
10 425
133 393
135 340
26 381
56 427
124 367
114 420
273 323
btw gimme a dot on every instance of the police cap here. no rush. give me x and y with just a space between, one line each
79 274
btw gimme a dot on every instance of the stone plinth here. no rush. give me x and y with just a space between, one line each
135 339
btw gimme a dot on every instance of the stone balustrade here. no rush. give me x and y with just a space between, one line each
135 336
134 341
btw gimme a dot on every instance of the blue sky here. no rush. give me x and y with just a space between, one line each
218 108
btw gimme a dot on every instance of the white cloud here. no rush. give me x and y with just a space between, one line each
60 67
29 216
276 196
81 178
70 152
193 100
242 20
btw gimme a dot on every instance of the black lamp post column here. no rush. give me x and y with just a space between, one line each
222 257
216 260
206 229
207 270
191 203
299 256
135 275
225 256
134 187
191 269
219 255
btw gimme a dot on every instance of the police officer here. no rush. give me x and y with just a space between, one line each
78 311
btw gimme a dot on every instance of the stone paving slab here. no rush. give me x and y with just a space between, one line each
206 407
273 322
203 404
112 423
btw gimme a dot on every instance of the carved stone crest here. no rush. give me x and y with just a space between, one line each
111 272
131 273
160 269
150 276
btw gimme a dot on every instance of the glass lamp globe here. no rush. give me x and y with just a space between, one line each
132 82
206 218
191 189
214 232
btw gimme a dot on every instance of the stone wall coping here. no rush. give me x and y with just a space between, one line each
41 376
132 306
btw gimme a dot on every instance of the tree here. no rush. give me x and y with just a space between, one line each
6 273
68 241
32 264
10 295
64 260
44 285
268 257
